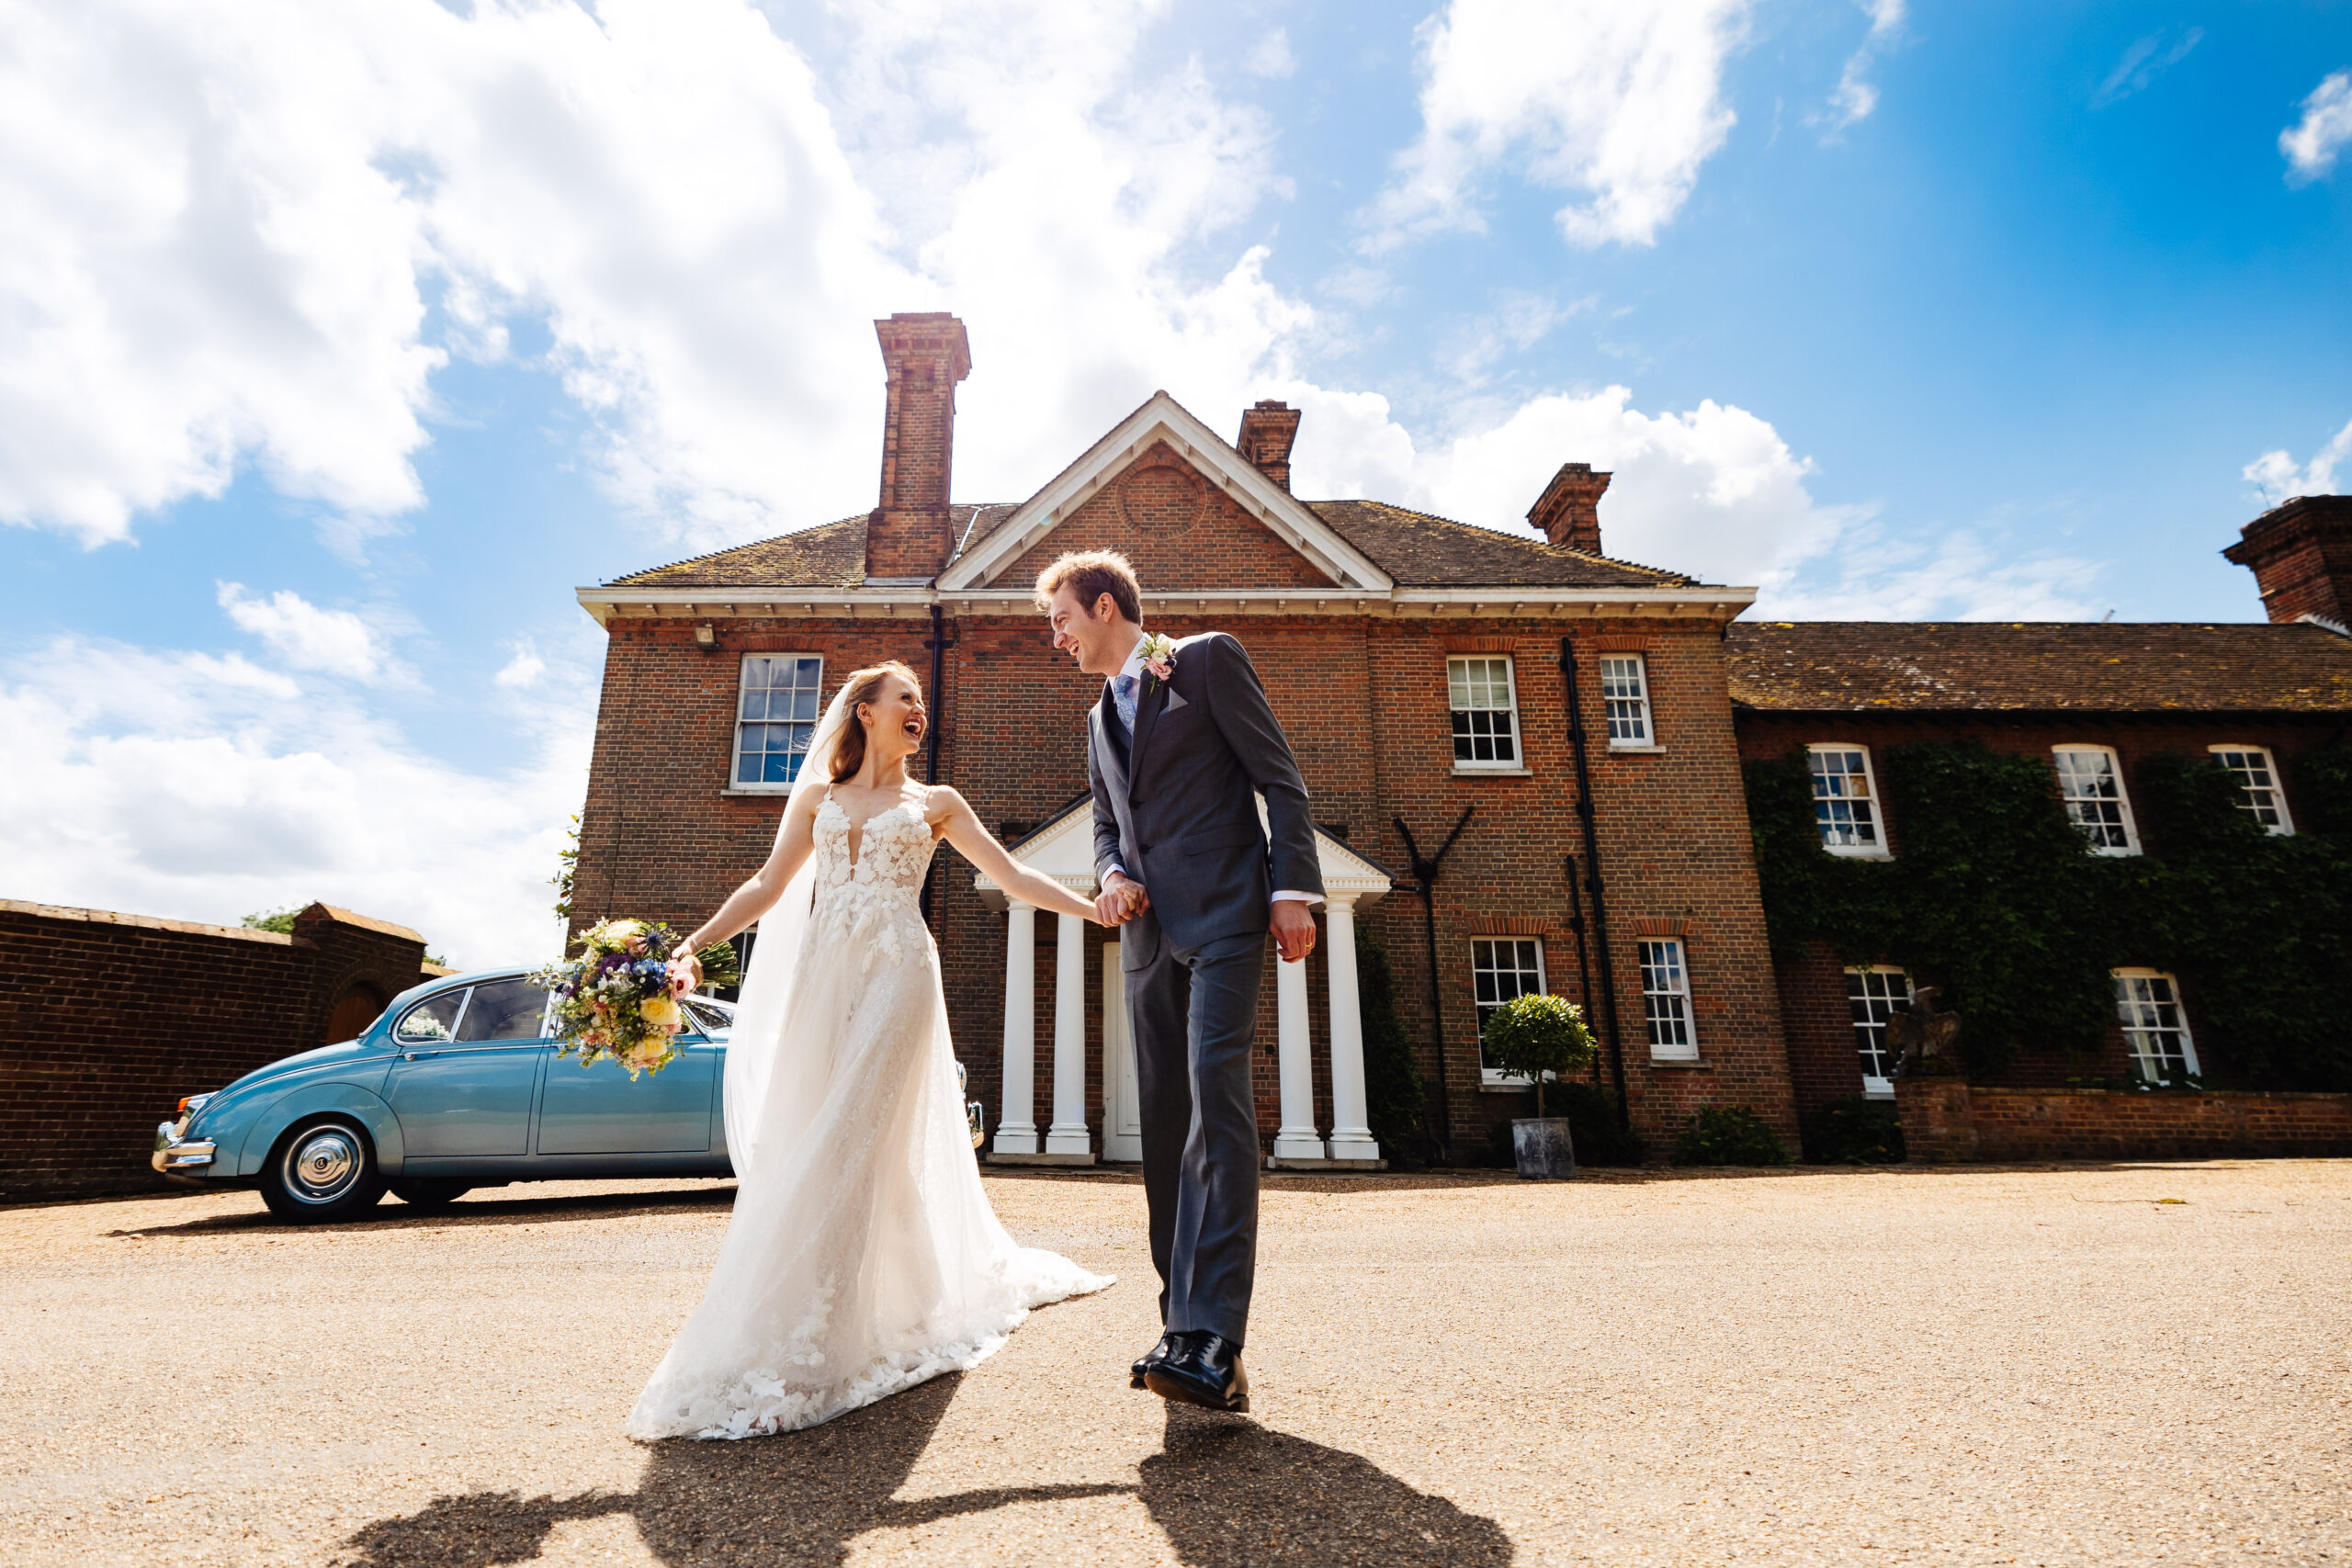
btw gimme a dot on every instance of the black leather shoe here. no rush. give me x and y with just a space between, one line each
1169 1341
1206 1371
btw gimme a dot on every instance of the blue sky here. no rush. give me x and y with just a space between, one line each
342 346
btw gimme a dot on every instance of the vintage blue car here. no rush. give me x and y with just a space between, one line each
456 1085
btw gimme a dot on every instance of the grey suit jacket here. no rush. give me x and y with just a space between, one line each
1184 818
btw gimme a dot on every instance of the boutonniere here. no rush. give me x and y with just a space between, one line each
1158 656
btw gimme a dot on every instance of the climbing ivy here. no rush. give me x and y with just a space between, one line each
1997 898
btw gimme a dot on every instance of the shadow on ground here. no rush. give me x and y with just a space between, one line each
484 1206
1228 1493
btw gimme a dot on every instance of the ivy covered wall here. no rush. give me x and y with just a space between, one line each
1997 897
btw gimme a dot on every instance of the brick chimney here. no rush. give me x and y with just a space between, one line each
1267 432
909 536
1569 511
2301 558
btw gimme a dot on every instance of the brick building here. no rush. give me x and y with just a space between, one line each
2094 703
1581 720
1422 668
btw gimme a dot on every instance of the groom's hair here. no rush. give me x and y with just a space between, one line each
1091 574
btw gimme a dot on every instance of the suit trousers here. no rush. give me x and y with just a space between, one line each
1194 1012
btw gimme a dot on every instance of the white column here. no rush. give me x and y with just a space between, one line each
1296 1138
1067 1135
1350 1136
1016 1128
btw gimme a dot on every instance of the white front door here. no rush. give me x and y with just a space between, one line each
1122 1107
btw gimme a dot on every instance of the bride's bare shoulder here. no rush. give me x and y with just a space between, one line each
942 805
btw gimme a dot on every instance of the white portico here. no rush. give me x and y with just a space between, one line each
1063 850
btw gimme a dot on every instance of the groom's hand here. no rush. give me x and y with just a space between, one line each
1120 900
1293 930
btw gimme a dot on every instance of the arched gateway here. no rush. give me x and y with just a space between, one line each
1063 850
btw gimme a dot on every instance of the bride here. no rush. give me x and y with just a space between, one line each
862 1257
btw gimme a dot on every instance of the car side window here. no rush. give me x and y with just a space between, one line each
504 1009
431 1019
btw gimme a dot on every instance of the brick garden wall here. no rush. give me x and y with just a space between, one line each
1979 1123
108 1018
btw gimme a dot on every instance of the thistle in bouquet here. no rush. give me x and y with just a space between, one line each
618 998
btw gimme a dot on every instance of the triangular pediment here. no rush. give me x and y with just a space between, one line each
1160 435
1063 848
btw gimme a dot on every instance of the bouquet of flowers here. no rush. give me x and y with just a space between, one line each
619 997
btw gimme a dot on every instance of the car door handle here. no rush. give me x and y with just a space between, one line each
417 1055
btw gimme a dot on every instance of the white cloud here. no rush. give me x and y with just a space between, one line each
1714 491
1617 105
2275 477
1856 94
178 784
335 642
525 670
2143 63
2311 144
1271 57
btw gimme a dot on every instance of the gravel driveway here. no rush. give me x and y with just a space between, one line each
2107 1365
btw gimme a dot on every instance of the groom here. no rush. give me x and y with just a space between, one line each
1178 749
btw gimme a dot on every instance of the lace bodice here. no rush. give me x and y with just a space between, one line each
874 895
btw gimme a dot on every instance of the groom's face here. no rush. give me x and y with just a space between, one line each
1097 637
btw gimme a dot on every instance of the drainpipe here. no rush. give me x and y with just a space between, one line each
938 698
1584 952
1425 880
1592 881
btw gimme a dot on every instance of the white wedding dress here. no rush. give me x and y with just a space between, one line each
862 1257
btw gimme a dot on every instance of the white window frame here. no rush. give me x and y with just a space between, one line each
1869 1027
735 782
1663 1005
1863 808
2278 823
2141 997
2130 845
1517 762
1489 1077
1637 714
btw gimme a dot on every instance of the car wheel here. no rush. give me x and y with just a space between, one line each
423 1192
322 1172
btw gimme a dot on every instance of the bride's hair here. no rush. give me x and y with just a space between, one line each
864 686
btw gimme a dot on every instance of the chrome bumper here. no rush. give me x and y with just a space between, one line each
173 1153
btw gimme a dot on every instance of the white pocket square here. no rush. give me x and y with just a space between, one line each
1176 700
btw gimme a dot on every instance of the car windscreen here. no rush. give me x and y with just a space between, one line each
504 1009
709 1018
431 1019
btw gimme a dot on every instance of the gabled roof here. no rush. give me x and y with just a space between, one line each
1413 548
2040 666
1162 418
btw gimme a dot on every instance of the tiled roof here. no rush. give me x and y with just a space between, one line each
1413 547
1923 666
1421 550
830 555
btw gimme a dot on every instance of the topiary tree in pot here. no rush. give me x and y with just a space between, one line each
1530 1037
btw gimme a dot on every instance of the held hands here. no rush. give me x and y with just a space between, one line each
1120 900
1293 930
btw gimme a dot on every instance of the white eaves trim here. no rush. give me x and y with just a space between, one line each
1477 601
1163 418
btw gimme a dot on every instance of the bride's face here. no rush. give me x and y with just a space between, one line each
894 720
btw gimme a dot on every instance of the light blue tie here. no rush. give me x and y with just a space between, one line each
1123 690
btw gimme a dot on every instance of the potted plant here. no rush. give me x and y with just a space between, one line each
1534 1037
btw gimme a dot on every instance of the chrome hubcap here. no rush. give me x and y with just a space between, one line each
322 1164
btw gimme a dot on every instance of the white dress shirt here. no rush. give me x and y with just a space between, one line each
1134 666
